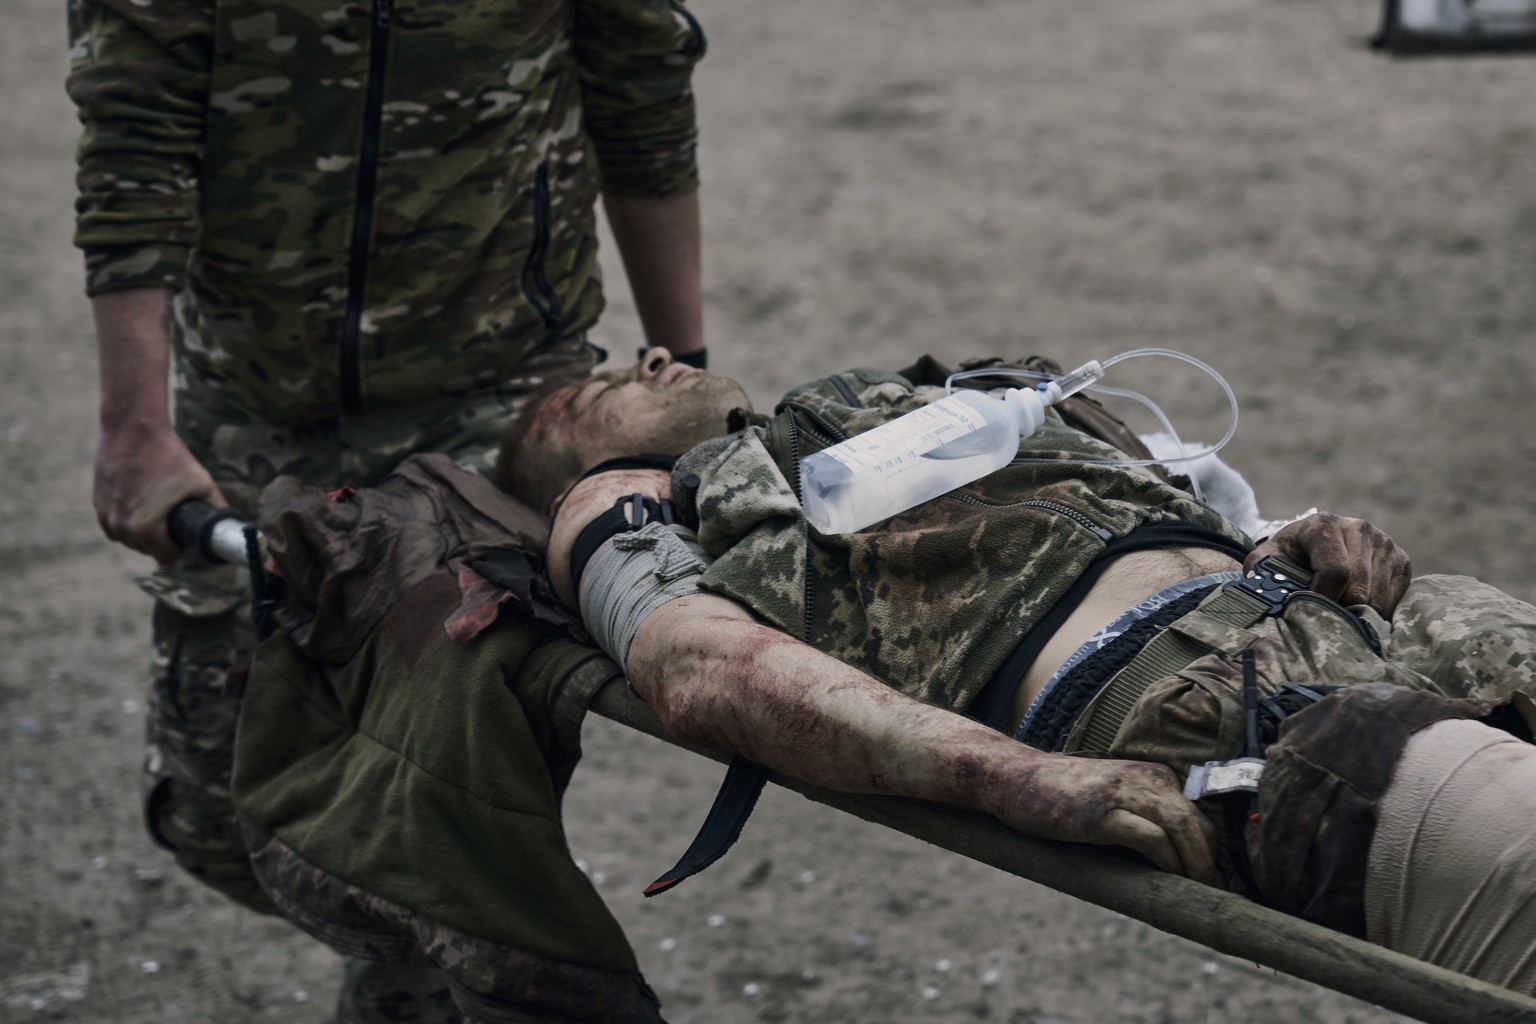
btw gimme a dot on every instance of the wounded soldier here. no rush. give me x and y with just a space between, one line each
1099 613
1089 608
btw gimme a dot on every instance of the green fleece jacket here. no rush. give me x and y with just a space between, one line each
429 773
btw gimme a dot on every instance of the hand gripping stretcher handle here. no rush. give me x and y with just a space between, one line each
218 534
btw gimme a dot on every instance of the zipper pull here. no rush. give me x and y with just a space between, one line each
382 13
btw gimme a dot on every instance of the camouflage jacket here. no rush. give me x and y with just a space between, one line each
370 204
933 600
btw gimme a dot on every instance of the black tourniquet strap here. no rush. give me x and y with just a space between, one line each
1262 717
645 460
630 512
1238 808
743 784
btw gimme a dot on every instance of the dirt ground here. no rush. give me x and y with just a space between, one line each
1351 241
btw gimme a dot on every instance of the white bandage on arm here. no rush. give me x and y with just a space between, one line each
633 574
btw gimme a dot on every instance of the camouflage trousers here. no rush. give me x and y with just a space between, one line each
1451 638
491 983
203 635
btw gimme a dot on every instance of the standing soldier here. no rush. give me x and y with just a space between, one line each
322 236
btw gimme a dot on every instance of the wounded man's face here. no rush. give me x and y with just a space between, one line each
656 405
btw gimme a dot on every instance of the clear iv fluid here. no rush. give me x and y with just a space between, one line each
918 456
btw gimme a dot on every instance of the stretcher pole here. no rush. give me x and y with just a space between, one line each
1220 920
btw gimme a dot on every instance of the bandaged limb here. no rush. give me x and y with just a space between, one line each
633 574
718 678
1452 868
588 499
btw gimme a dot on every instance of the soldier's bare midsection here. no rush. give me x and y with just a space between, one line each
1126 580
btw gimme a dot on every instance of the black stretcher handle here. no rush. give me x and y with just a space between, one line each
218 534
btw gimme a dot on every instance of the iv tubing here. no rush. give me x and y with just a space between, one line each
1210 371
1143 399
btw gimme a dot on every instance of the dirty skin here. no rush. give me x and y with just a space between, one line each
718 678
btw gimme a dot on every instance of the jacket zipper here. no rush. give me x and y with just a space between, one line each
362 223
847 392
808 596
829 434
535 284
1081 518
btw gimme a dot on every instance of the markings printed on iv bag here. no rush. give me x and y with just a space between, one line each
890 445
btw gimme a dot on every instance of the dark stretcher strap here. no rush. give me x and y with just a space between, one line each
738 794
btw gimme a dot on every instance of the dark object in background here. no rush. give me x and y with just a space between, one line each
1423 28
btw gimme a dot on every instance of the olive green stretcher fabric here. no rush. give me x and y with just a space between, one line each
420 772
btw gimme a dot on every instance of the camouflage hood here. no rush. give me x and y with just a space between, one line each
348 556
933 600
370 204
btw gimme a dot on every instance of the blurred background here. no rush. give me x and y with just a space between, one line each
1350 240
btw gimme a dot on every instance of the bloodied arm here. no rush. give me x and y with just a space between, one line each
718 677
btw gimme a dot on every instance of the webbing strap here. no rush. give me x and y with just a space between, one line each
994 702
1238 604
738 794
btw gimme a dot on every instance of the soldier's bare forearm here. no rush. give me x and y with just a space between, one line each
718 678
659 241
133 345
142 468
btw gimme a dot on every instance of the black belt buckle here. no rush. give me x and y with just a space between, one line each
1272 582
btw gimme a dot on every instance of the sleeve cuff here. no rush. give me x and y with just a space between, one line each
120 268
649 152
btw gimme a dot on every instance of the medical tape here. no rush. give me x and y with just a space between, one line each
633 574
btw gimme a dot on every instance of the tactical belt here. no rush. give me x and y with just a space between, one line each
1061 703
995 701
1241 603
